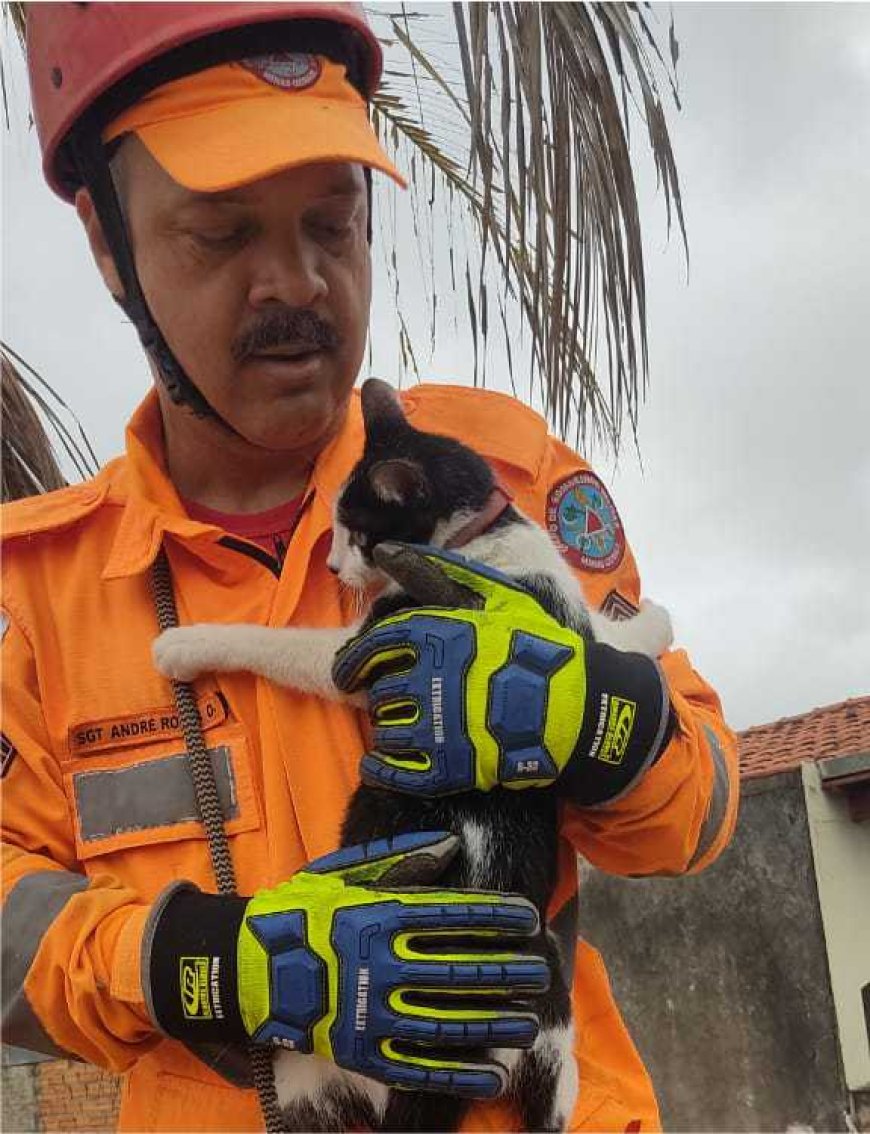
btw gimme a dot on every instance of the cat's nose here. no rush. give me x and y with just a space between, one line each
333 567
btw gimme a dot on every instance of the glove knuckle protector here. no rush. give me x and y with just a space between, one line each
369 978
503 694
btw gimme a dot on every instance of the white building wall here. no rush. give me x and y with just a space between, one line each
841 854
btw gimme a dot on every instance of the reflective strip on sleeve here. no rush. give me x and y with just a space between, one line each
31 907
719 798
141 797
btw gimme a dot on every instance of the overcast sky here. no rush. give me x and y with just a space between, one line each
751 516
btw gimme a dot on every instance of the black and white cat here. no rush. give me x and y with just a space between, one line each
416 487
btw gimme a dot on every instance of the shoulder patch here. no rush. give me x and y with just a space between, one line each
617 607
583 522
8 752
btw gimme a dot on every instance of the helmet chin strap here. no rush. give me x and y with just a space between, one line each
97 177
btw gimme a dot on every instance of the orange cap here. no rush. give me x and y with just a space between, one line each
228 125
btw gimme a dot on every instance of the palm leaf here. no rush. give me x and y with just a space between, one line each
534 143
514 122
32 413
28 462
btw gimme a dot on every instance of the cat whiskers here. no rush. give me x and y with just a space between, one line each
355 598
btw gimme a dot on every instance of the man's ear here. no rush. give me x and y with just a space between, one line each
97 240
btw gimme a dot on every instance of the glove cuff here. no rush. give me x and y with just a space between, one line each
627 724
190 968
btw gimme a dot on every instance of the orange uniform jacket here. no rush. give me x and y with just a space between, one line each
98 814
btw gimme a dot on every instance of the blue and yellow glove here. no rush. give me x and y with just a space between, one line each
497 692
401 985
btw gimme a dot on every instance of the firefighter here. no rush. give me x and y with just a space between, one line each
219 157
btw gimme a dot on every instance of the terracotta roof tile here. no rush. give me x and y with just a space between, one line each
834 730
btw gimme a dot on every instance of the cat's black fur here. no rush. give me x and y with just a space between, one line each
415 487
436 477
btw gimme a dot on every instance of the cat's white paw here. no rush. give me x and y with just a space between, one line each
184 652
648 632
653 625
556 1048
550 1065
306 1085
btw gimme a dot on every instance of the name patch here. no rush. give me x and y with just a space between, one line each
583 523
152 724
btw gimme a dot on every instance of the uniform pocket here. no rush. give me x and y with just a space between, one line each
143 795
175 1103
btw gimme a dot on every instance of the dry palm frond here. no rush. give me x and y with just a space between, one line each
29 465
12 14
512 120
15 13
533 143
31 411
28 456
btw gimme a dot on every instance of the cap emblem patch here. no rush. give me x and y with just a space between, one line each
289 70
583 523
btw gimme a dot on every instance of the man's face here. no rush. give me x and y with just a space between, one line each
262 292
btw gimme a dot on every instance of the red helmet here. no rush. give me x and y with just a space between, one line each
77 52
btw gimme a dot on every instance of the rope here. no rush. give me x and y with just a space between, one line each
211 814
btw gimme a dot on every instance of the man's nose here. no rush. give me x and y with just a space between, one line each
288 275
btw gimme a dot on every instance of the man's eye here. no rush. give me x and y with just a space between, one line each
334 228
218 239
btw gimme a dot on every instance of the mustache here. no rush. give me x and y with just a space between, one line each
285 326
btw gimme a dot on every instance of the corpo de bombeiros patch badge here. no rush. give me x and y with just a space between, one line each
583 522
289 70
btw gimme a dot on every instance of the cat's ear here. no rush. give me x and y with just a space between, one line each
397 481
380 406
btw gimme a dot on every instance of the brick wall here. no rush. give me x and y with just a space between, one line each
59 1096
